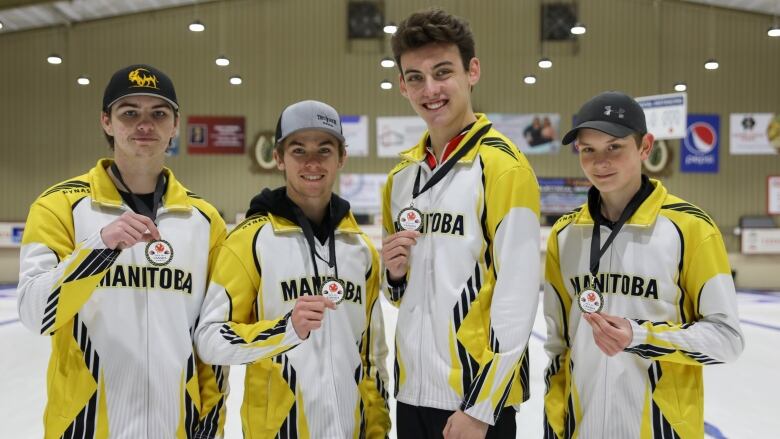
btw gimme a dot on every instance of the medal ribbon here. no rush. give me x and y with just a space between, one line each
595 252
142 207
308 233
445 168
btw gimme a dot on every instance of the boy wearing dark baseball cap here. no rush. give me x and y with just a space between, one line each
114 265
638 293
294 296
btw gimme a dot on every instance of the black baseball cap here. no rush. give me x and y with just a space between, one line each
612 112
139 80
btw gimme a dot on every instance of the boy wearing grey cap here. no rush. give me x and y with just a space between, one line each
294 296
638 293
114 265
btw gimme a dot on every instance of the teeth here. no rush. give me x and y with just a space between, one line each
435 106
312 177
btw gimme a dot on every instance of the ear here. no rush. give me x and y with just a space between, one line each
343 158
105 122
402 86
474 71
279 160
646 147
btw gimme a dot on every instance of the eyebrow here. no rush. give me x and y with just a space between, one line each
134 105
443 63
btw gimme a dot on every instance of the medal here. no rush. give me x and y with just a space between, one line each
333 289
159 252
590 301
410 219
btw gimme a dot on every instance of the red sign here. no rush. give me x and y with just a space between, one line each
215 135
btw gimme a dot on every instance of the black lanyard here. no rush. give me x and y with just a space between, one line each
143 208
445 168
595 252
308 233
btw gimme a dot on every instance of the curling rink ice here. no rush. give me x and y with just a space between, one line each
740 398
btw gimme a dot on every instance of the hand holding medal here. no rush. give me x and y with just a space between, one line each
127 230
612 334
308 313
396 249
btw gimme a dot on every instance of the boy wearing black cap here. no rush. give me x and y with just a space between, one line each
114 265
294 294
461 226
638 293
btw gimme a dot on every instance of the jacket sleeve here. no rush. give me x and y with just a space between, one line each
212 380
512 222
230 331
373 354
393 291
712 335
557 305
57 275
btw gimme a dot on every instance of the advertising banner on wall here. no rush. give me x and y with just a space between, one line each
531 133
754 133
355 130
562 195
665 114
701 145
215 135
397 133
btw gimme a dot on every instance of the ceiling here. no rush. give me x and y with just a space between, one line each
16 15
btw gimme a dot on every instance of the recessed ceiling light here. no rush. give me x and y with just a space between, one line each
711 64
82 80
222 61
386 85
197 26
680 86
54 59
774 31
390 28
578 29
236 80
387 62
545 63
530 79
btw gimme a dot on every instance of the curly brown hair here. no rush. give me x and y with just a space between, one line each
433 26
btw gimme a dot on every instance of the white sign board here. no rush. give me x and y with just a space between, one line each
397 134
355 130
761 241
363 191
11 235
754 133
666 115
773 195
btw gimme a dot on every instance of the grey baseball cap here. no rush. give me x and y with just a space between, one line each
611 112
309 115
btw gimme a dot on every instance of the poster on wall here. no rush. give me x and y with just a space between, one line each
562 195
665 114
355 130
773 195
396 134
11 235
363 191
215 135
701 145
531 133
754 133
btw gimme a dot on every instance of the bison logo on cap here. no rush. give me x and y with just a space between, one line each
141 77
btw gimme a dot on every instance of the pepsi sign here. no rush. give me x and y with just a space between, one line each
700 146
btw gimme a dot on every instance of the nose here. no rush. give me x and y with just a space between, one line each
145 124
432 87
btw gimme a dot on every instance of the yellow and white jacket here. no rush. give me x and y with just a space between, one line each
122 362
330 385
666 272
471 293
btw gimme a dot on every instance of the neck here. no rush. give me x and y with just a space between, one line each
140 177
440 137
314 209
613 204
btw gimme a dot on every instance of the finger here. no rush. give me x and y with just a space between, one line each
149 225
135 223
126 228
329 304
394 252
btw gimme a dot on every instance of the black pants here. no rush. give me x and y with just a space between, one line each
415 422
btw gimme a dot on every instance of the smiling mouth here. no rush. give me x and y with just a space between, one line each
312 177
435 105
